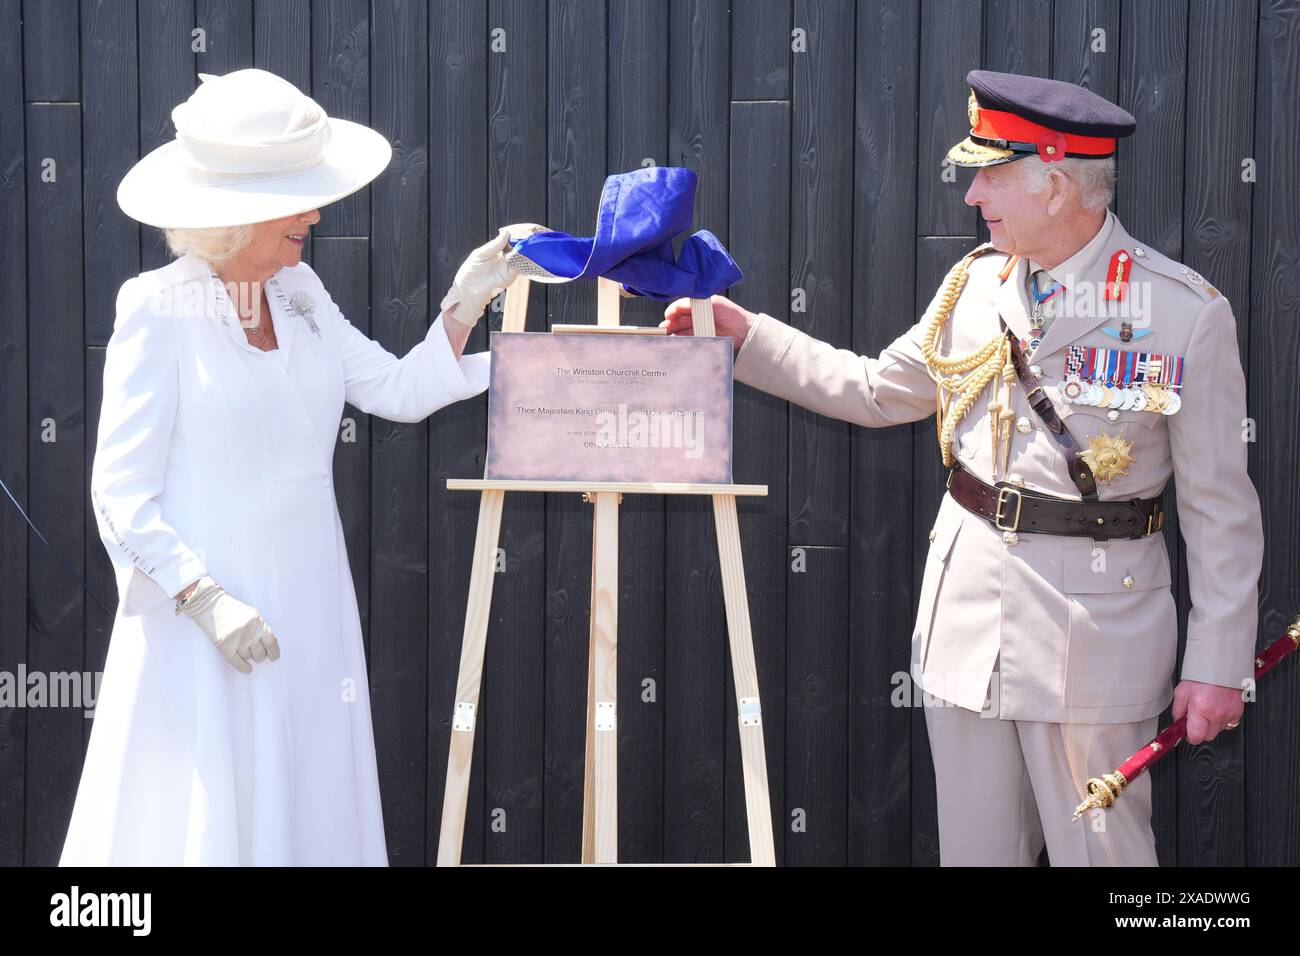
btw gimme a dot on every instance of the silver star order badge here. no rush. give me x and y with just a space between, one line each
303 305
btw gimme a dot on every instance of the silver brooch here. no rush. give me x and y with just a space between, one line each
303 305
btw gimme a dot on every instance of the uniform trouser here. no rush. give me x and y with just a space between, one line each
1007 787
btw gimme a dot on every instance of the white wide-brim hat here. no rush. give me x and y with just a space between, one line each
249 147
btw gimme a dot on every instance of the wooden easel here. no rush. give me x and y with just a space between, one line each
600 781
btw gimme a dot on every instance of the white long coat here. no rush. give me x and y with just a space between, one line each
214 457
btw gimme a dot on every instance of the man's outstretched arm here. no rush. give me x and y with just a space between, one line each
892 388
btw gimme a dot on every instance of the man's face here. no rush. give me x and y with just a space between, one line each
1018 220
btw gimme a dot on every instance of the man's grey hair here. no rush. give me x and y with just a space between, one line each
217 245
1094 178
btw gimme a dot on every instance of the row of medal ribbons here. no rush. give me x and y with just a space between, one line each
1122 380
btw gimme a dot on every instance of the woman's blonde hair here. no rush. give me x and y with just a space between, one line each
217 245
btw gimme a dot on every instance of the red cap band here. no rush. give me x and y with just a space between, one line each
1052 144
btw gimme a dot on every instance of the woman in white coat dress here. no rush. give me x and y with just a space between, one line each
233 725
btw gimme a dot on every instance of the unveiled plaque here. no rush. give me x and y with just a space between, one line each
589 406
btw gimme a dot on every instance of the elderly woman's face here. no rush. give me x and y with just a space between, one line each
278 243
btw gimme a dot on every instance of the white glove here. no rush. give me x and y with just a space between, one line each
237 630
483 275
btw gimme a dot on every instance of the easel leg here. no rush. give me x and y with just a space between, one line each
455 796
758 808
600 788
600 769
589 758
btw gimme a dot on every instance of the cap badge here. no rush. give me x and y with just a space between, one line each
1051 146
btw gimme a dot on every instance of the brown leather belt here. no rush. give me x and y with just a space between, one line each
1010 508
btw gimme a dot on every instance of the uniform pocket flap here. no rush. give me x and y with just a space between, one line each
944 532
1094 417
1119 565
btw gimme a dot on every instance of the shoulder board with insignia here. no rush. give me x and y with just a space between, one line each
977 252
1158 262
982 249
985 248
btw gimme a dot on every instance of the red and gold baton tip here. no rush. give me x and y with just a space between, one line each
1103 791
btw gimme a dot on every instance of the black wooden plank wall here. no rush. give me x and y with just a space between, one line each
818 128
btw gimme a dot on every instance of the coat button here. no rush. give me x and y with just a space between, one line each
931 534
1113 415
1139 252
1129 582
1016 479
1023 426
1036 371
1009 538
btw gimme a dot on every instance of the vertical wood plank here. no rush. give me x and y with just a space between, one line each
821 236
880 469
111 251
1216 242
282 45
821 285
56 471
340 83
282 39
760 244
1017 37
458 188
163 43
515 764
228 25
1149 201
1272 743
50 42
399 453
695 710
951 41
576 150
110 120
761 43
516 717
1152 86
14 426
816 691
1079 54
637 103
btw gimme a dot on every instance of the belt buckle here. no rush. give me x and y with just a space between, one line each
999 513
1156 519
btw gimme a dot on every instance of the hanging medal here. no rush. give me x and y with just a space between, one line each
1036 328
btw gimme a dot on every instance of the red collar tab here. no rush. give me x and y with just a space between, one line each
1121 264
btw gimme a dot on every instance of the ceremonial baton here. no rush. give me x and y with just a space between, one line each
1103 791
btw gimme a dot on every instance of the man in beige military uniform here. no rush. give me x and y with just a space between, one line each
1051 651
